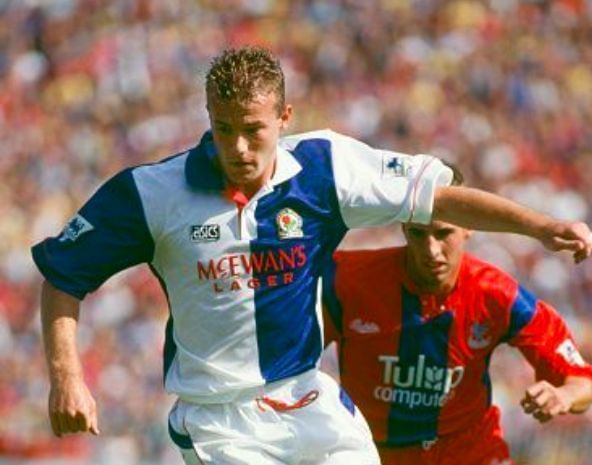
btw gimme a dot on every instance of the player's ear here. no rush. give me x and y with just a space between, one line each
468 233
286 116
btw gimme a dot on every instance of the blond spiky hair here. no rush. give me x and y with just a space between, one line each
243 73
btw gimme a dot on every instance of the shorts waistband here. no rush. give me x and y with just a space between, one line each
249 394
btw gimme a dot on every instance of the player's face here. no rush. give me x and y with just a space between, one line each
434 254
246 136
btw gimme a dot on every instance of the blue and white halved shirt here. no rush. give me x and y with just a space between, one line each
242 286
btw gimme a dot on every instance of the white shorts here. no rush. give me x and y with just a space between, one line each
304 420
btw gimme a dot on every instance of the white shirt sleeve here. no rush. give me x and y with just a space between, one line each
377 187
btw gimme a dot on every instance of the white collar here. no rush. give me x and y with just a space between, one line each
286 167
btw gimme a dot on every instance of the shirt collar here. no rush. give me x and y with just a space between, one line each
203 172
286 167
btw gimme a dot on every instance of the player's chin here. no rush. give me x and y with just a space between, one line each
439 275
243 176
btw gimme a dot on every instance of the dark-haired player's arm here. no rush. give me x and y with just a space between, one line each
581 392
71 406
477 209
544 401
564 379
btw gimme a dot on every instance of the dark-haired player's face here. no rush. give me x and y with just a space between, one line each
246 136
434 254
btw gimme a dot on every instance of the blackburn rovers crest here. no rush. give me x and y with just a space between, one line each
289 224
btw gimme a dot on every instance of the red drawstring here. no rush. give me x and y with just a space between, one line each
280 406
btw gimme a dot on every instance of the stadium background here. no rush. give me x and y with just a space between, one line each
501 87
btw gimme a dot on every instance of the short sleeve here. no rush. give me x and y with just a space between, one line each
107 235
548 345
377 187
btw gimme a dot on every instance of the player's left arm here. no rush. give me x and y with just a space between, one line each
480 210
564 379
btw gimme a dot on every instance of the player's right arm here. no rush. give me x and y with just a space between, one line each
71 406
107 235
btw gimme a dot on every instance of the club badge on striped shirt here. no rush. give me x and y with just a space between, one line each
289 224
479 337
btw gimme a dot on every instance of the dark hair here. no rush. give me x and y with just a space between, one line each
457 177
243 73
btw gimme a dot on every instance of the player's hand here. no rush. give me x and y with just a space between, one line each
72 408
572 236
544 401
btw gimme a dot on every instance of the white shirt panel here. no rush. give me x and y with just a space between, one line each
378 187
214 328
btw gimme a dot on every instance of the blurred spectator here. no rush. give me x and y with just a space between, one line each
501 87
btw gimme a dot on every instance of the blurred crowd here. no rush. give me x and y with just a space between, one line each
503 88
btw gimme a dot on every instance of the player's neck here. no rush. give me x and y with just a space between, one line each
249 189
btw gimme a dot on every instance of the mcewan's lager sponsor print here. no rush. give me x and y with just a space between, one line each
265 268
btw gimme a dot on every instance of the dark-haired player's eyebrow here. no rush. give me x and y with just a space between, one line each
441 233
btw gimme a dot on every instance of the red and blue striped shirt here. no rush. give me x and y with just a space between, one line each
417 364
